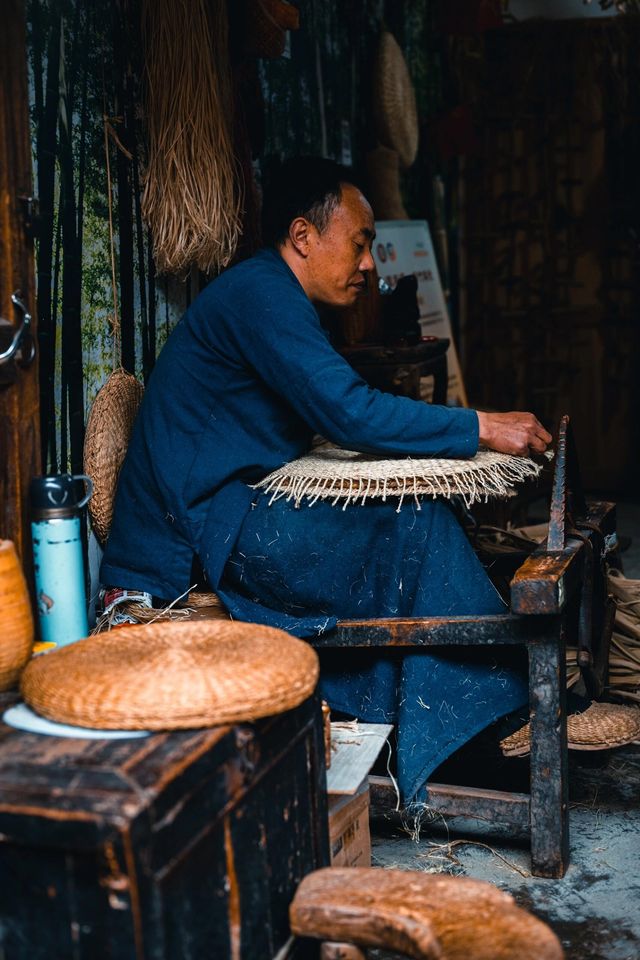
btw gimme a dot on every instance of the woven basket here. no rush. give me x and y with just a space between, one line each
396 115
168 676
383 181
16 621
105 444
344 476
600 727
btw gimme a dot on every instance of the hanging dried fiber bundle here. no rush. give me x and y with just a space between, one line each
192 197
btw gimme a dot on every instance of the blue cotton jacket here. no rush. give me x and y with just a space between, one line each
241 386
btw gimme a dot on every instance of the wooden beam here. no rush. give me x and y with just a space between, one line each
19 406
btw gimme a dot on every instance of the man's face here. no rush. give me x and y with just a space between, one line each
340 258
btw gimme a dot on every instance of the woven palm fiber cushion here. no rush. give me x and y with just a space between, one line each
396 116
600 727
169 676
105 444
344 476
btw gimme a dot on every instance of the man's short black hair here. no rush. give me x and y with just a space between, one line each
307 187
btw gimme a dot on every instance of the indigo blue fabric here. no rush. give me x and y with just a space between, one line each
242 384
319 563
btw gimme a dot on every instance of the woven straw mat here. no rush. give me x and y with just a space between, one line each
167 676
105 444
601 726
394 101
329 473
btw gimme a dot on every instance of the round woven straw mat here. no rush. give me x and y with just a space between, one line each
395 101
344 476
105 444
167 676
601 726
16 622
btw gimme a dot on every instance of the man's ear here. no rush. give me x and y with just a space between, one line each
299 231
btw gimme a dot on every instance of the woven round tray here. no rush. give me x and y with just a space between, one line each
166 676
105 444
344 476
600 727
394 101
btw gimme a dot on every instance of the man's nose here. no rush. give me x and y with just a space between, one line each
367 263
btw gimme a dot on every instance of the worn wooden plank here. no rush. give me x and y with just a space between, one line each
549 758
455 801
547 580
430 631
354 749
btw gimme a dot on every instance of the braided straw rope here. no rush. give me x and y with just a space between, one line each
329 473
169 676
105 444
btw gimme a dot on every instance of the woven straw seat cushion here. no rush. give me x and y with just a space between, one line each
105 444
344 476
601 726
165 676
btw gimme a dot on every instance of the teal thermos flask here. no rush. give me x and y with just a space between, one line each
56 512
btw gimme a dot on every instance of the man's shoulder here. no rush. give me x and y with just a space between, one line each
265 269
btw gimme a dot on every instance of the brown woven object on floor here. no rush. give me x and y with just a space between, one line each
168 676
105 444
601 726
394 101
16 622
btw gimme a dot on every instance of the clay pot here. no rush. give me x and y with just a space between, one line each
16 621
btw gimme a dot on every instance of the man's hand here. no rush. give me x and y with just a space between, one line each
516 433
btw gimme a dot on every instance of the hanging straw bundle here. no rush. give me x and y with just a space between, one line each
191 199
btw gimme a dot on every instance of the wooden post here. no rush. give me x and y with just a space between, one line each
19 407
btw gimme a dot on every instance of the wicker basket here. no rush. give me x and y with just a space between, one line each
16 621
166 676
105 445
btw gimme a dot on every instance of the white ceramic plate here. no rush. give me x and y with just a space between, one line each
22 717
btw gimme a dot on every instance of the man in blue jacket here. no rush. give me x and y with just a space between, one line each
245 380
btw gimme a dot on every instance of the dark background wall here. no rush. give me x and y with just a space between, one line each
529 132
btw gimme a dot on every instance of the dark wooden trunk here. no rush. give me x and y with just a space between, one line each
180 846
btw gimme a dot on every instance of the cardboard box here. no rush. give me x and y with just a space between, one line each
349 837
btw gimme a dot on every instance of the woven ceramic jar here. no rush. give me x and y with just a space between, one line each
16 621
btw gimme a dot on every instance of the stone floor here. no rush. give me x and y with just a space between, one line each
595 908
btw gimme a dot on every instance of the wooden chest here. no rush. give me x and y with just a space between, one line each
181 846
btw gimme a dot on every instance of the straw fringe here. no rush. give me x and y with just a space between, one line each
191 199
329 473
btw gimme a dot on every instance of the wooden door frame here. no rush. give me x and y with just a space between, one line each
19 402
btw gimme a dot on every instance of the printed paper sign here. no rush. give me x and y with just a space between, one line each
402 247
